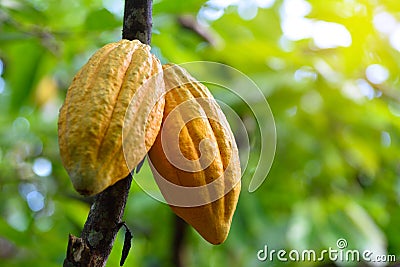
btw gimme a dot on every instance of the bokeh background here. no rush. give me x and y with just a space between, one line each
329 70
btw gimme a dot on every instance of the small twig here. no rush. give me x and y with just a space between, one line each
189 22
127 243
46 37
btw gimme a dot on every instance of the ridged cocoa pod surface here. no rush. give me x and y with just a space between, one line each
111 115
195 159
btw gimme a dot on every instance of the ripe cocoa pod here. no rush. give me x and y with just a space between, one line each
110 109
194 159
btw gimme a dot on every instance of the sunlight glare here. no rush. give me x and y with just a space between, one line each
377 73
305 74
295 8
1 67
297 28
387 24
395 38
209 13
222 3
265 3
25 188
330 35
247 10
386 139
365 88
352 91
324 34
212 10
42 167
2 85
384 22
35 201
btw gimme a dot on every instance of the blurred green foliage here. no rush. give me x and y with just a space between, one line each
333 90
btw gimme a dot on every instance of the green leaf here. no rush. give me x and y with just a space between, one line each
22 63
101 20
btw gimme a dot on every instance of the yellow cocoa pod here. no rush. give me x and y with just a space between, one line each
111 116
195 159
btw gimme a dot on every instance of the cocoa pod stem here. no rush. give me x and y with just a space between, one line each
134 26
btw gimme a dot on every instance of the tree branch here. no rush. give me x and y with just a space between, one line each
104 219
137 20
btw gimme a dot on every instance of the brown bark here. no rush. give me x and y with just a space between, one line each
101 227
138 20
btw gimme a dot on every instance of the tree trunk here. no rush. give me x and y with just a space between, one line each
104 219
